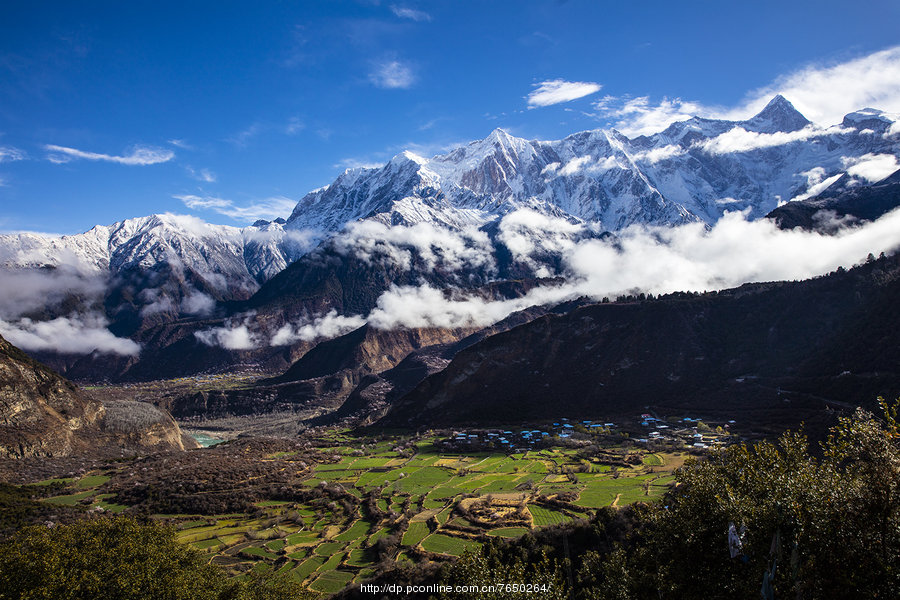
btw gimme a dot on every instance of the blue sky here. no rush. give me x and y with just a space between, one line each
234 110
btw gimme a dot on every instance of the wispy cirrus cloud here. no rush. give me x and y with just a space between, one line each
412 14
180 144
204 175
556 91
392 74
294 126
139 155
268 208
9 154
243 137
824 93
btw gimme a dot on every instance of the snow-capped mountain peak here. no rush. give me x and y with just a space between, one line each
779 115
871 119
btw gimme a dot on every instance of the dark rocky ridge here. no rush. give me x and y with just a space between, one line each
839 204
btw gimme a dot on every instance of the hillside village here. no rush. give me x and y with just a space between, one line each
645 431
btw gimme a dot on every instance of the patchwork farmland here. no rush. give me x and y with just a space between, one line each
387 501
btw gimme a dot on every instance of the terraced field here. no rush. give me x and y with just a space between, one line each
413 504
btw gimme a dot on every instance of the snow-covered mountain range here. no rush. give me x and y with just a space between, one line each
695 170
500 207
245 256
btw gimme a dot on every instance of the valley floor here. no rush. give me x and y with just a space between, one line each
339 510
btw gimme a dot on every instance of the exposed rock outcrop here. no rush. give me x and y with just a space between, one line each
44 414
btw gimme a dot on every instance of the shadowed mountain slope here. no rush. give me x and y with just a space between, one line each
754 348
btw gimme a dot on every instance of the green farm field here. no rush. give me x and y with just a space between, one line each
357 509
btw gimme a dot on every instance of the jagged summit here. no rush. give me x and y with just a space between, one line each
778 115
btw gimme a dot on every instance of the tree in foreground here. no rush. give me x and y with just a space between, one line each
806 527
120 559
770 520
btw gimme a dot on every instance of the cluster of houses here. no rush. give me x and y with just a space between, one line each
520 441
684 430
652 429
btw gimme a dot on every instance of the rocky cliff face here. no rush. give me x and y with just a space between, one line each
323 378
43 414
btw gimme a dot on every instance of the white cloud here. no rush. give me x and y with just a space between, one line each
197 303
269 208
610 162
655 260
637 116
163 304
392 74
576 165
204 175
67 335
587 164
527 233
639 259
140 155
51 292
556 91
425 306
230 337
551 168
180 144
816 183
35 290
741 140
871 167
438 247
410 13
294 126
823 93
732 252
9 154
328 326
658 154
